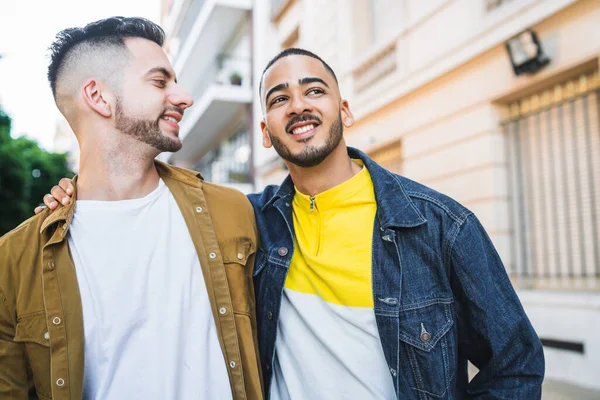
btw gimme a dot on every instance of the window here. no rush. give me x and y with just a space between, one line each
553 149
375 22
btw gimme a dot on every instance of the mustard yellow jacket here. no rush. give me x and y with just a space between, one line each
41 322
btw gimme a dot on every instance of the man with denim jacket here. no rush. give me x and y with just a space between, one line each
439 295
369 285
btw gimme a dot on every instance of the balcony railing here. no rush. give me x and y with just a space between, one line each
229 163
380 65
224 70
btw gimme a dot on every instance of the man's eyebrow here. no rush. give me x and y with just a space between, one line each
163 71
276 88
311 79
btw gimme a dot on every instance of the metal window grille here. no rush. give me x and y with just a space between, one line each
553 150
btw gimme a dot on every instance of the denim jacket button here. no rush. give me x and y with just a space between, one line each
425 337
270 315
282 251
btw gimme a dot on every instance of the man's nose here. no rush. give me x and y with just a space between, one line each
181 98
298 105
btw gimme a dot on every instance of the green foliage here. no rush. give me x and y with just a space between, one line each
27 172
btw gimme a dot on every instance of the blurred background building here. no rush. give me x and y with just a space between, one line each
493 102
209 42
66 142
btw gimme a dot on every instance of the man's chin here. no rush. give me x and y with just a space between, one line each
171 149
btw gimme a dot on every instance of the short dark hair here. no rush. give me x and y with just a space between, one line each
293 51
105 32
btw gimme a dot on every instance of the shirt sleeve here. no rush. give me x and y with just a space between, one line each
494 332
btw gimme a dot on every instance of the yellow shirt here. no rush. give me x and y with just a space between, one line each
328 345
332 251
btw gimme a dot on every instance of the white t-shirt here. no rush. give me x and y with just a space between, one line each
149 329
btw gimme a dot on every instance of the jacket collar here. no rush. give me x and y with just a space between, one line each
394 206
165 171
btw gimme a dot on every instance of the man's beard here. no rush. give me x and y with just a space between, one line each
146 131
311 156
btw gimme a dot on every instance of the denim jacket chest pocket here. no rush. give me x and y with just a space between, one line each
32 331
238 260
427 345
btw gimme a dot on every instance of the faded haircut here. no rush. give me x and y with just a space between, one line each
98 49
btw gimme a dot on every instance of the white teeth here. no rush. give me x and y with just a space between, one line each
303 129
171 119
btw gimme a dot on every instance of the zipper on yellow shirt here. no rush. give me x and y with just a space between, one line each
312 203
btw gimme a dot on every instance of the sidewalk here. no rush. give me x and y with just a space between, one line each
556 390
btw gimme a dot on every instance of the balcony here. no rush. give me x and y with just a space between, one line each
229 163
203 28
200 32
222 95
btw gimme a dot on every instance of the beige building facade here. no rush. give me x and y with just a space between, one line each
436 98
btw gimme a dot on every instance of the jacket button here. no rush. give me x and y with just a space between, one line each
198 209
51 264
222 310
282 251
240 256
212 256
425 337
56 321
270 315
60 382
47 336
232 364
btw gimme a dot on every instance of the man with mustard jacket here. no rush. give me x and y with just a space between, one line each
142 286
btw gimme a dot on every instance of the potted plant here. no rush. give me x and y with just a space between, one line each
235 78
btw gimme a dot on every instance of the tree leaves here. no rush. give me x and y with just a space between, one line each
27 172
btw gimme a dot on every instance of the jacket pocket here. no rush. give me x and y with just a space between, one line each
31 330
238 257
427 343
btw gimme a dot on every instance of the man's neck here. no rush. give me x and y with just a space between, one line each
337 168
118 175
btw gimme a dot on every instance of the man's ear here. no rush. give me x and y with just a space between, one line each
96 98
347 116
265 133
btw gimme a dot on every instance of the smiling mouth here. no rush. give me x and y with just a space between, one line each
303 129
170 119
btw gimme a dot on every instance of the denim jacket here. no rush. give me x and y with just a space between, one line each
441 294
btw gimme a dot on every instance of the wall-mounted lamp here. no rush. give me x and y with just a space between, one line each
526 54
